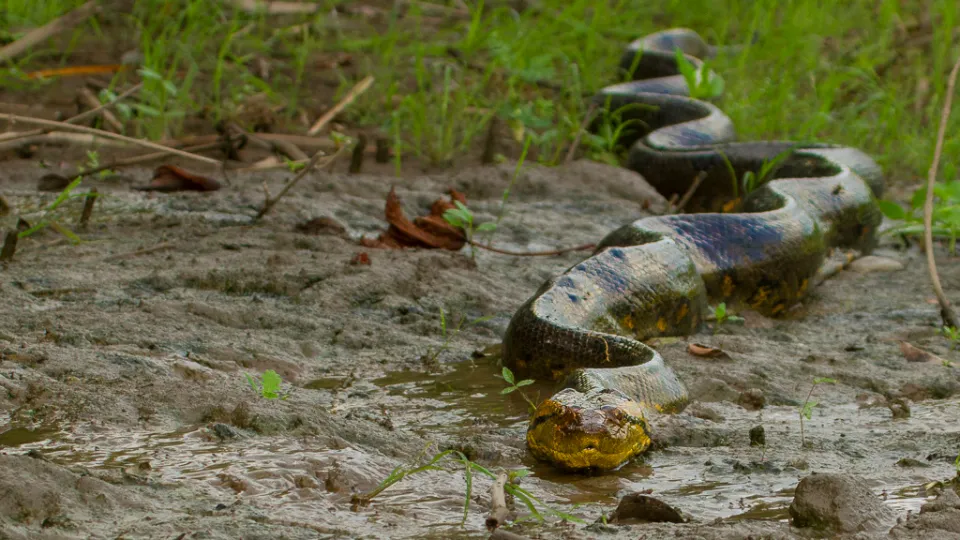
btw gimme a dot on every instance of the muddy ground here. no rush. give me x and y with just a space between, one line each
126 412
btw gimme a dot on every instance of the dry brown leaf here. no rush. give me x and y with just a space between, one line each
168 178
430 231
916 354
705 351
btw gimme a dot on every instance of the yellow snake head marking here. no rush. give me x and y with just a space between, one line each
597 430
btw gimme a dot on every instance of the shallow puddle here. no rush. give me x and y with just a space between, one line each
727 482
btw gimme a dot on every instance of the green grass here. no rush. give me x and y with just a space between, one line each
812 76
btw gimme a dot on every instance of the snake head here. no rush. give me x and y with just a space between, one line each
588 431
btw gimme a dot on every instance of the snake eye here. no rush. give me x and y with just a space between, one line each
608 408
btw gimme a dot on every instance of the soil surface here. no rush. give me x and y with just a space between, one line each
125 410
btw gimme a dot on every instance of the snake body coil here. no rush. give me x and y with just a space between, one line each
654 277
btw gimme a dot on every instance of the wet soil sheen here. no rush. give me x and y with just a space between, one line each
125 410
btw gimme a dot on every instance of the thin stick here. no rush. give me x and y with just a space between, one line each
690 191
56 26
356 159
88 203
75 119
142 159
946 311
583 127
303 172
584 247
91 101
9 245
499 513
354 92
109 135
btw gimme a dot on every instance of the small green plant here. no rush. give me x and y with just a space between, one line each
751 181
511 487
605 145
723 316
946 213
516 385
953 334
462 217
806 410
50 217
268 386
433 355
703 83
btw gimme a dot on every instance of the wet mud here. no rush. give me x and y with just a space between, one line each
125 410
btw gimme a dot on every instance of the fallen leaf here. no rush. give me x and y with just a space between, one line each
915 354
430 231
168 178
706 351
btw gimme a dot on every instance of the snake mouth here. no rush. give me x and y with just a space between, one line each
587 439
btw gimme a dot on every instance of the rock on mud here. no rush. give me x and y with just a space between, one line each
939 518
838 502
639 508
875 263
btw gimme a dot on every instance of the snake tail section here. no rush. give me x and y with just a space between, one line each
656 276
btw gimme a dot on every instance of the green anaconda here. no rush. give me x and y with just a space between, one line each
655 276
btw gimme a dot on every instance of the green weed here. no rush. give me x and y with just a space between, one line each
946 213
462 217
813 73
723 316
806 410
953 334
268 387
52 217
432 355
511 487
515 385
702 83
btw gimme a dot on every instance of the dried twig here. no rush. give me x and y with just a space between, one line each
72 120
88 203
56 26
356 158
284 146
276 7
269 203
90 100
946 311
499 513
689 194
108 135
9 246
354 92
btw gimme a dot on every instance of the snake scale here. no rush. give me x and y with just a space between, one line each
655 276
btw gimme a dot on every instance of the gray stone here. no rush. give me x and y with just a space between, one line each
838 502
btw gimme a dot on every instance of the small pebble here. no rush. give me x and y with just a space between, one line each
875 263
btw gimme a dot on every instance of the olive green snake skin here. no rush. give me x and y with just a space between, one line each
655 276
